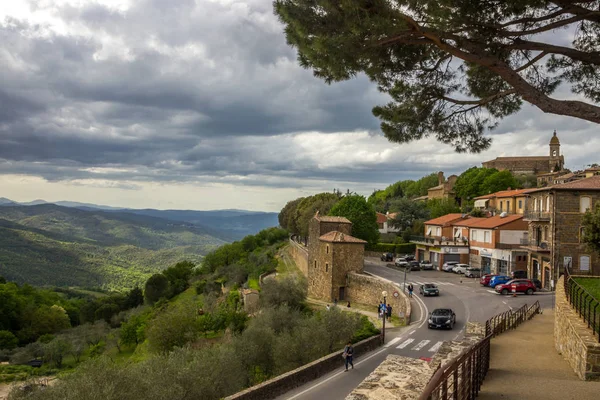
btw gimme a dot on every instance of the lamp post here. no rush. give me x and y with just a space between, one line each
384 293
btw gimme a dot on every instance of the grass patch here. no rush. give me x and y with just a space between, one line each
253 283
592 285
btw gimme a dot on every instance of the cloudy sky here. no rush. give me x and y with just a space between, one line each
200 104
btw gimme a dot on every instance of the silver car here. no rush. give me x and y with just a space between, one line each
473 272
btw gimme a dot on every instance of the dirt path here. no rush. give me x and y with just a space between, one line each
4 389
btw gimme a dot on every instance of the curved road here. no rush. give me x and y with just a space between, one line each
469 300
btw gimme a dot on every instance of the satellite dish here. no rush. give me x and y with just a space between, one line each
544 245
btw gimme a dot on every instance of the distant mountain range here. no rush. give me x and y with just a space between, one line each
228 224
86 245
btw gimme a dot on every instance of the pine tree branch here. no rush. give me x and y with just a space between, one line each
481 102
532 61
591 58
548 27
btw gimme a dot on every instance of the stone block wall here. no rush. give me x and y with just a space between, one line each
366 289
284 383
299 254
574 340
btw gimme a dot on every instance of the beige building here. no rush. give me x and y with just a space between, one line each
531 165
444 189
555 215
509 201
332 254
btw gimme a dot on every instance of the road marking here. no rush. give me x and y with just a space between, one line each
418 283
444 283
421 344
405 343
391 342
333 376
435 347
411 332
492 291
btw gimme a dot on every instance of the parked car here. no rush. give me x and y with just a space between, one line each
473 272
409 257
426 265
498 280
460 268
441 318
414 266
429 289
485 279
401 262
537 283
519 274
521 286
447 267
387 257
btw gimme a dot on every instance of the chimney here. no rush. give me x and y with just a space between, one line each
440 178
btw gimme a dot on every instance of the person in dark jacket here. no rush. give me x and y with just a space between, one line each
348 353
389 312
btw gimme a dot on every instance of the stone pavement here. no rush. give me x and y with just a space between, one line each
526 366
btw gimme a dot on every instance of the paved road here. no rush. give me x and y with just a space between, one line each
469 300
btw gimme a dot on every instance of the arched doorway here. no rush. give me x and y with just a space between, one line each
547 277
536 273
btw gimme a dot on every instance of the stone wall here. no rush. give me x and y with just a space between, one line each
299 254
574 340
366 289
283 383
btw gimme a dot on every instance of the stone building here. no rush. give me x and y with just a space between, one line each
444 189
555 215
531 165
332 254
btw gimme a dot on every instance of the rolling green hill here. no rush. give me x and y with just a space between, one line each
53 245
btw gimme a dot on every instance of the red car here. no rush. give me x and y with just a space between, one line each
521 286
485 279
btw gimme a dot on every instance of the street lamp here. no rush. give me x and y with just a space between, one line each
384 293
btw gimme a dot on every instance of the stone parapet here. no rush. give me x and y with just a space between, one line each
367 289
574 340
299 254
284 383
396 377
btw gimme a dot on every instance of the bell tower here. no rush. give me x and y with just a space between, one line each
555 159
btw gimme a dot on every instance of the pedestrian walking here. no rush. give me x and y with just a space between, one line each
410 289
379 308
348 353
327 307
348 305
389 312
335 302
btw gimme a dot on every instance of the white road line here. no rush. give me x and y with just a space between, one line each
411 332
491 291
435 347
418 283
391 342
405 343
421 344
333 376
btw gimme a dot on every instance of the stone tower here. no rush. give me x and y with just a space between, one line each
555 158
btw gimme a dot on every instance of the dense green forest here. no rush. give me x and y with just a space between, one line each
60 246
179 336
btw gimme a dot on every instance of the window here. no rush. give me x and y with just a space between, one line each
584 263
327 249
581 234
473 234
547 203
535 204
501 206
457 233
326 267
428 231
508 206
315 263
438 231
486 237
585 203
520 204
545 233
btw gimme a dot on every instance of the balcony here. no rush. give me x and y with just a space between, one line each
509 246
439 241
537 216
539 246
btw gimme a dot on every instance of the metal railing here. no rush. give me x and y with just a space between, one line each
537 215
462 377
441 240
583 302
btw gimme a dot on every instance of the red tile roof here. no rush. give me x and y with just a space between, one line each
468 222
381 218
495 221
444 219
339 237
504 193
591 183
326 218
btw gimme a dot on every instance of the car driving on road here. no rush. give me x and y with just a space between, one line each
521 286
429 289
426 265
441 318
447 267
473 272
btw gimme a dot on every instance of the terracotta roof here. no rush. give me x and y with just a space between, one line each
549 173
565 176
467 222
326 218
444 219
591 183
381 218
593 169
436 187
495 221
339 237
392 215
504 193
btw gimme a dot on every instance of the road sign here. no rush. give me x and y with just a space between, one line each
396 294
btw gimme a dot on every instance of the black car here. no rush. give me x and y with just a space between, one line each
409 257
537 283
414 266
441 318
518 274
429 289
387 257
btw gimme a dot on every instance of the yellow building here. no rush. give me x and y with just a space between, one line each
509 201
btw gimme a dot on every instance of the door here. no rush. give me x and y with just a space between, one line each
342 293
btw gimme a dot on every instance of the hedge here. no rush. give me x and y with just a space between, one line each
403 248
